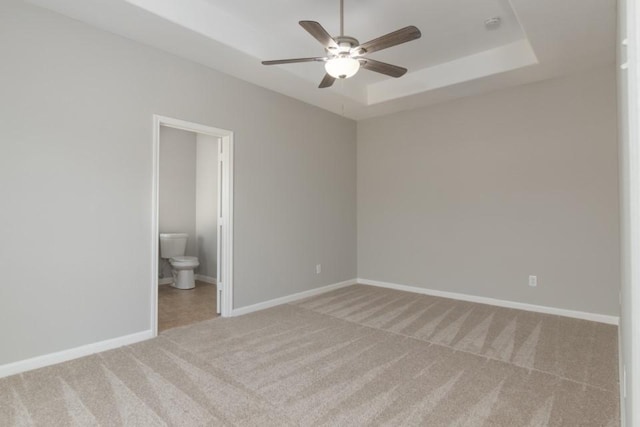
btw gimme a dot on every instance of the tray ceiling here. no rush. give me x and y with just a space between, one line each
456 56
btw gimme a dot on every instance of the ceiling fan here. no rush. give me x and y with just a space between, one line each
345 54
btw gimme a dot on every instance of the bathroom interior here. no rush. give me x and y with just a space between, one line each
187 221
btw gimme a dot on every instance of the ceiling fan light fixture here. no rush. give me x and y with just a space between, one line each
342 67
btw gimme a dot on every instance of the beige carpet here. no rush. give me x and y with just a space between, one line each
356 356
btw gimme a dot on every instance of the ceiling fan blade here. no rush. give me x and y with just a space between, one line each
320 34
294 60
400 36
327 81
382 67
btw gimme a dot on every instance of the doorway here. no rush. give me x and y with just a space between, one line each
216 265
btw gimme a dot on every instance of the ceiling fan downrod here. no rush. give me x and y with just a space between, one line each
341 18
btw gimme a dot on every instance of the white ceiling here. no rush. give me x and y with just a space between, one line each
456 56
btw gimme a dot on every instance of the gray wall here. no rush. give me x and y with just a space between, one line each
207 204
177 198
177 189
75 181
475 195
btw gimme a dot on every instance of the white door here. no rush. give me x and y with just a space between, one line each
219 214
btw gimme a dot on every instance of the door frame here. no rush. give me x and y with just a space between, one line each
629 110
225 213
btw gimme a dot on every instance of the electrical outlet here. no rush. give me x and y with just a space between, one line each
318 268
533 281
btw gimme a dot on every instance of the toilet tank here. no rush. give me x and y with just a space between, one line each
173 244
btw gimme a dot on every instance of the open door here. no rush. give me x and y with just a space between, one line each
224 226
219 283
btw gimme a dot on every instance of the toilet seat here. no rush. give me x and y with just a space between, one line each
184 261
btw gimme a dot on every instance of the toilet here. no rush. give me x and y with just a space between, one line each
172 247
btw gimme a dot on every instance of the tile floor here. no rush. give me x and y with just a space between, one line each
178 307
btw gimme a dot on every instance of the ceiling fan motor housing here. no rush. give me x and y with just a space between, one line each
345 44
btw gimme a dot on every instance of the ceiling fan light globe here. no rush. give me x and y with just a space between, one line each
342 68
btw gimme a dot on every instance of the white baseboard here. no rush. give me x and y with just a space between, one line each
595 317
202 278
206 279
72 353
289 298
